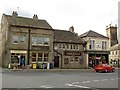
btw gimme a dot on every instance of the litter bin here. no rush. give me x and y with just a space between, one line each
34 65
51 65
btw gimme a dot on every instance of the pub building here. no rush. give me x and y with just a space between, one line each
28 39
68 50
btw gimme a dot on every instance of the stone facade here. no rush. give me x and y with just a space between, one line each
68 49
31 39
97 48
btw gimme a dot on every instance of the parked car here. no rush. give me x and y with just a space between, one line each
104 68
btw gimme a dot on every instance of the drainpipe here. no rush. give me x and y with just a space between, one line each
28 49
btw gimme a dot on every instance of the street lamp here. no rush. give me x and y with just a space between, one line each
55 49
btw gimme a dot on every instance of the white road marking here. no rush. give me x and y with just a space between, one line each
75 83
104 79
46 86
77 86
86 81
95 80
112 79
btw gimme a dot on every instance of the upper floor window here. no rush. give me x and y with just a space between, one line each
46 40
92 44
104 45
60 45
40 40
64 46
15 39
22 38
34 40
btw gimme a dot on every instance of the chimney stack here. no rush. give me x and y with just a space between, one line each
35 17
71 29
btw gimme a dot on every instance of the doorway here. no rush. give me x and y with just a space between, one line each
56 61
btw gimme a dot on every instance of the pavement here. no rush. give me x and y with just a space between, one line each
42 70
47 70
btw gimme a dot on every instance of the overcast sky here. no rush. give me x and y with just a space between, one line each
84 15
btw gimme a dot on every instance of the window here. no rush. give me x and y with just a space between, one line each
104 45
22 38
77 47
66 61
71 46
76 59
46 40
34 40
63 45
45 57
116 52
15 39
60 45
40 40
40 55
33 57
92 44
67 45
71 60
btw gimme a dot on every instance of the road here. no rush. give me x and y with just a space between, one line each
60 79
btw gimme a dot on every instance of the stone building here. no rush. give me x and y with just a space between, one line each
114 47
114 56
97 49
25 38
68 49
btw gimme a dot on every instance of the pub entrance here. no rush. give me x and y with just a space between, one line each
56 61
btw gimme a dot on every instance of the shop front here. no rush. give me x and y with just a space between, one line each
18 59
72 59
95 58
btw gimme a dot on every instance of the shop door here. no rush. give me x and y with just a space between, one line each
56 61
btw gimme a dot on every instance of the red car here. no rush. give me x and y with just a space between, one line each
104 68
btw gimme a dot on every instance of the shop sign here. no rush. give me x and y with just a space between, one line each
18 51
72 53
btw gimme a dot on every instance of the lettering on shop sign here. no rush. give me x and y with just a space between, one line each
70 53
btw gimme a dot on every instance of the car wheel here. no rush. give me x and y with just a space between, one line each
97 70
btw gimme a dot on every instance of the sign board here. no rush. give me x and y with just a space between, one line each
72 53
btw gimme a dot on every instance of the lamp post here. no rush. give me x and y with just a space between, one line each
55 49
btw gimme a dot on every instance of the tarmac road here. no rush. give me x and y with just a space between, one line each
60 79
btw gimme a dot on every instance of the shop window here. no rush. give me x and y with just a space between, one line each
40 40
15 39
34 40
22 38
76 59
46 40
45 57
71 60
66 61
33 57
40 55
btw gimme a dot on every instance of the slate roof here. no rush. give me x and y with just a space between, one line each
27 22
91 33
115 47
64 36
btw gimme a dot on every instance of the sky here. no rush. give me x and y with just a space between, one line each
83 15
